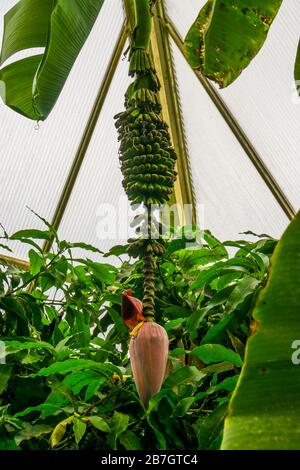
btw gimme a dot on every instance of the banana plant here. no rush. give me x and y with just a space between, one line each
148 166
226 36
32 85
264 412
222 41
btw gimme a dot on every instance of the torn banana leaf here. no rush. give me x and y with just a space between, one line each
264 412
227 35
32 85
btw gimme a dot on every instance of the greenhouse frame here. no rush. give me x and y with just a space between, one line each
149 252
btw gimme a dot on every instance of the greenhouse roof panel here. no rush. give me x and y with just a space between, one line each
263 100
98 196
230 193
36 163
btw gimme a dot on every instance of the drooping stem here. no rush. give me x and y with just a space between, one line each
143 24
149 287
146 153
148 268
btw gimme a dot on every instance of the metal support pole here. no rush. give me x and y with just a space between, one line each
163 60
15 261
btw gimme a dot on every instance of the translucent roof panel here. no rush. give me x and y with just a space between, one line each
35 163
266 104
232 193
97 209
263 99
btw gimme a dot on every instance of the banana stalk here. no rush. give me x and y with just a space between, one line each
142 30
147 161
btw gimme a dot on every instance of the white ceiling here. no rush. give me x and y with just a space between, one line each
265 104
35 163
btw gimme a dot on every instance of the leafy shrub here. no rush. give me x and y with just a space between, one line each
65 379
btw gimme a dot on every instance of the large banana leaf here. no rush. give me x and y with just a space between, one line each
32 85
264 412
227 35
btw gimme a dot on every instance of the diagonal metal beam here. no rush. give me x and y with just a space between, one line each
164 64
15 261
88 132
239 133
161 53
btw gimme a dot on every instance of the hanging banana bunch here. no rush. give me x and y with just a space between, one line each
148 167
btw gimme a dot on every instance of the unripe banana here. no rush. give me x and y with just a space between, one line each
147 160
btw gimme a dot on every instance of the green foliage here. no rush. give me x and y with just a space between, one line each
227 35
67 383
32 85
264 412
